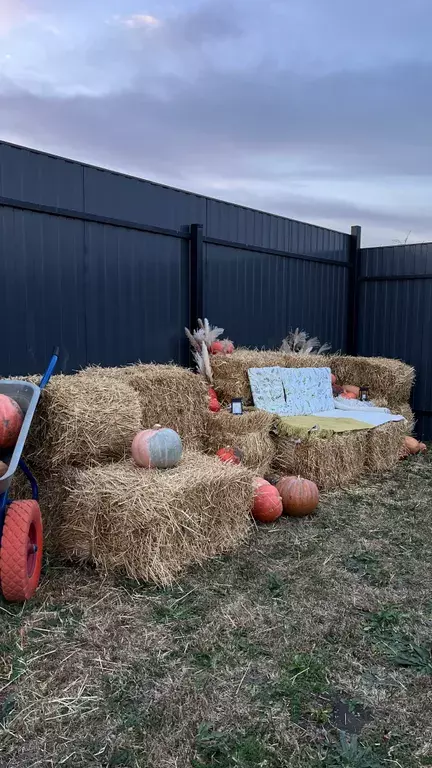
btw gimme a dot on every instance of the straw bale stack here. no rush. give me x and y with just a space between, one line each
151 524
331 462
249 433
384 444
81 421
230 372
168 394
386 378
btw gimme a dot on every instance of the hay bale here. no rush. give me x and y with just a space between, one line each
386 378
331 462
83 420
307 361
403 409
230 372
407 412
169 395
250 433
151 524
383 446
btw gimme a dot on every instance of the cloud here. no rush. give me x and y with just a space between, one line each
196 104
139 21
12 13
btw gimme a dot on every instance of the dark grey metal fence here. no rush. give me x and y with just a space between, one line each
395 314
111 268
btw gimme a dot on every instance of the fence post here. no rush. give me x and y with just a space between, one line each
196 277
353 284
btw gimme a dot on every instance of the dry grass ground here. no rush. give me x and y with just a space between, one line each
311 646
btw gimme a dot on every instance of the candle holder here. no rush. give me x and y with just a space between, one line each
237 406
364 394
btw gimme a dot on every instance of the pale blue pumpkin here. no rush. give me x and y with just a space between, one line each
157 448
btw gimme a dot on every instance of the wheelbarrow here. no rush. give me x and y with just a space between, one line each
21 532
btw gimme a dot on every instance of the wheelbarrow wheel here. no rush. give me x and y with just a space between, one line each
21 551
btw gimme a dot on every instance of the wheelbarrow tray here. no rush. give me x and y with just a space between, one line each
27 396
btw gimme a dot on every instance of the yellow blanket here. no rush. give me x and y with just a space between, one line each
319 426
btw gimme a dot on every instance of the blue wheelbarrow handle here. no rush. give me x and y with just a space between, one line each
49 371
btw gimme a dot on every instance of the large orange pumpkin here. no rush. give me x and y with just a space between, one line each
267 505
11 419
299 496
156 447
352 389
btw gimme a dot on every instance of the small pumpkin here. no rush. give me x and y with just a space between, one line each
352 389
348 395
228 346
157 448
300 497
3 468
214 404
411 446
217 348
229 455
11 419
267 504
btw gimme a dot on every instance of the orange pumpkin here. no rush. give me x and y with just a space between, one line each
214 404
157 448
352 389
299 496
11 419
267 504
217 348
229 455
411 446
423 448
228 346
348 395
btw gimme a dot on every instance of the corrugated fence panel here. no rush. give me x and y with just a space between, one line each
123 197
41 274
259 297
82 268
137 296
395 315
38 178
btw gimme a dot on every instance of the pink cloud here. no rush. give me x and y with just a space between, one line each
12 13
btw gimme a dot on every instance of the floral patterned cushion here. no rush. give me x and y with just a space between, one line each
307 390
267 389
292 391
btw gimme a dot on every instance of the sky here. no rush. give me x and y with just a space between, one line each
319 110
